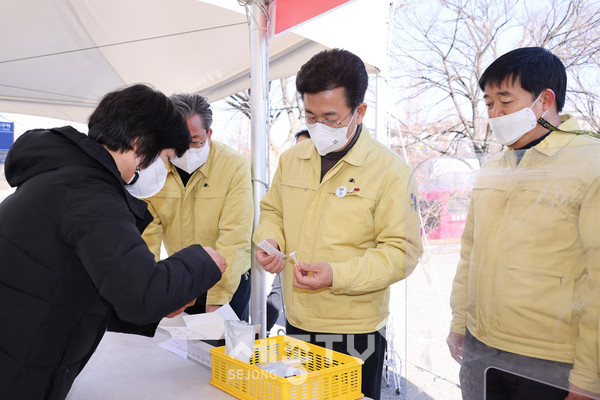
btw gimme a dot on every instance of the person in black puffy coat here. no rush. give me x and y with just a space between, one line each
72 260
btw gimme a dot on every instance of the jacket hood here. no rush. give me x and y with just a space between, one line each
41 150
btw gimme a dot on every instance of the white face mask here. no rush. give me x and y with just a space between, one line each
512 127
327 139
192 159
150 181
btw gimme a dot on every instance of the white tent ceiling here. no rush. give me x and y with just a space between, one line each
59 57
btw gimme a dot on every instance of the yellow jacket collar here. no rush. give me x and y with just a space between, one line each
559 139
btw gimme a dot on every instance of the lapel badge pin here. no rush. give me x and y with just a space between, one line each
341 192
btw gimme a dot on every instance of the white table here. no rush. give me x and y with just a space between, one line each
135 367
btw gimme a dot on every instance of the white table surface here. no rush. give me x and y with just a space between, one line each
135 367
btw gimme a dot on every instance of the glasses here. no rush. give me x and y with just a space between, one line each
199 144
332 124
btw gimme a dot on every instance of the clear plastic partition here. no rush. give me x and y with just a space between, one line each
511 266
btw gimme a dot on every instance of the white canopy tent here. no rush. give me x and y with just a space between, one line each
59 57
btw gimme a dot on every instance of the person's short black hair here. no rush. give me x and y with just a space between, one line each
190 104
303 132
139 114
535 68
332 69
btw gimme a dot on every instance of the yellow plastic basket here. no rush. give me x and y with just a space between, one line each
332 375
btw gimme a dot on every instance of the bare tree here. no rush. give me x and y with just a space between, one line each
587 100
570 30
447 48
291 105
240 102
285 102
441 49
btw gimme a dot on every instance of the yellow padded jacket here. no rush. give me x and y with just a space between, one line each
528 278
370 236
214 209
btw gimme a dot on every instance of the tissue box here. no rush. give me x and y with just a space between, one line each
331 375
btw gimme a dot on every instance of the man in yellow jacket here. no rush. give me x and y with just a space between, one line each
526 295
346 205
207 200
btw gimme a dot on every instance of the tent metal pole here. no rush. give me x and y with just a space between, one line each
259 78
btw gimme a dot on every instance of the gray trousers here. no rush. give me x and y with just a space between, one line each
487 373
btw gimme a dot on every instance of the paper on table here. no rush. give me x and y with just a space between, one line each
175 321
205 327
176 346
227 313
208 326
205 319
187 333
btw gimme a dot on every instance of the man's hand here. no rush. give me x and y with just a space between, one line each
270 262
217 258
177 312
313 276
212 307
456 344
576 393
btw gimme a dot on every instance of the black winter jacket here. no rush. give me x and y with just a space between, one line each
72 262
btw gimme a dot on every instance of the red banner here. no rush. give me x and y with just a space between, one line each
289 13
